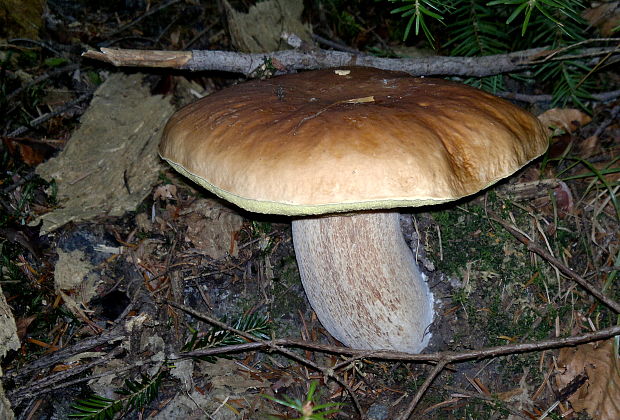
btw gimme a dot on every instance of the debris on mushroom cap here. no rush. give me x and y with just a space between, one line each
326 141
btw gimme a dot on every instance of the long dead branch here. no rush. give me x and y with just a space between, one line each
247 64
448 356
316 58
49 381
440 358
25 372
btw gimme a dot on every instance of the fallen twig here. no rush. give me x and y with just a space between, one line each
315 58
271 346
440 358
51 359
451 357
40 120
531 99
51 382
422 390
235 62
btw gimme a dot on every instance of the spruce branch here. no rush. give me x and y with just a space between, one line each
555 12
254 325
476 30
135 395
96 408
417 11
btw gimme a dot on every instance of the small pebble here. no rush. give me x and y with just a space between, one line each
377 412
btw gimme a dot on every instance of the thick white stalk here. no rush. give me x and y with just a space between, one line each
362 281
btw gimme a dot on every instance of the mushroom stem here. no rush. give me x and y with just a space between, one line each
362 280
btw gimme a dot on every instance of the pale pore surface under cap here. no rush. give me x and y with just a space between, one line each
318 142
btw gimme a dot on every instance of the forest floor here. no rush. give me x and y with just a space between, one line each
113 278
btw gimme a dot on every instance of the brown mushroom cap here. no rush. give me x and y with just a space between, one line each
349 139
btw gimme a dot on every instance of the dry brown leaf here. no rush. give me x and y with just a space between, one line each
605 16
23 324
588 147
600 394
30 153
165 192
564 197
211 227
567 120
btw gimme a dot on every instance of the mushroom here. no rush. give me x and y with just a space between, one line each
340 150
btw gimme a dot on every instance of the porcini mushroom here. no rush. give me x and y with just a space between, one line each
338 150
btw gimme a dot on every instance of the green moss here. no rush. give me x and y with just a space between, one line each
463 240
259 229
287 292
163 178
503 295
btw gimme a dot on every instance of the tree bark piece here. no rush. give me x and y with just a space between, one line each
8 341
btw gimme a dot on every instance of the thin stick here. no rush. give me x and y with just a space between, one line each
25 372
142 16
205 60
532 246
40 120
441 358
602 97
422 390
